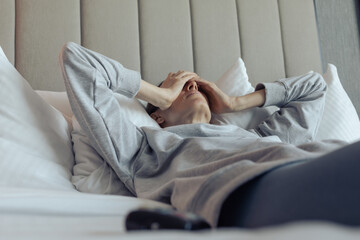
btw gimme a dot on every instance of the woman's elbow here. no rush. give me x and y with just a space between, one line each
319 81
67 50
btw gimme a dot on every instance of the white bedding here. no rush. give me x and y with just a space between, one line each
46 214
38 200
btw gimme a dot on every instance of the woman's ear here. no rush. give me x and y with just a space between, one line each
157 117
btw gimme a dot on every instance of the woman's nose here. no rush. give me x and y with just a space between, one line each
191 86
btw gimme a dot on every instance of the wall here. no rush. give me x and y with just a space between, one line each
340 43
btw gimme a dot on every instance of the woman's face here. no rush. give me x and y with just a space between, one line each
190 106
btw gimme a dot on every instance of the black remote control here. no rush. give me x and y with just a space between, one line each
163 218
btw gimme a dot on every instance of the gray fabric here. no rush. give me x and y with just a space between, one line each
301 100
194 166
324 189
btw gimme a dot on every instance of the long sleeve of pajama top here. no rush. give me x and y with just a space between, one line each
194 167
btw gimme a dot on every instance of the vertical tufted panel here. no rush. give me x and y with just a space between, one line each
215 36
260 37
301 44
42 27
7 28
111 28
276 38
165 38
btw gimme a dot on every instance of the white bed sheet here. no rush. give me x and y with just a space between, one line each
45 214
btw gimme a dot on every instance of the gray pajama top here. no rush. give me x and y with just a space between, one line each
192 166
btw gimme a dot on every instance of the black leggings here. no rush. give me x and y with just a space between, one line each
327 188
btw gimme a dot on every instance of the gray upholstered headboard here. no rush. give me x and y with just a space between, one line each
275 38
339 33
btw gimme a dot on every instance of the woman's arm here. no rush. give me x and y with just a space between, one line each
254 99
170 89
301 100
91 80
221 103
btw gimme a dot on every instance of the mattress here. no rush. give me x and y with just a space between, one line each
47 214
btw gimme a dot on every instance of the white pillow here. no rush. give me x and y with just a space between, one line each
131 107
235 82
136 112
59 100
340 120
91 173
35 145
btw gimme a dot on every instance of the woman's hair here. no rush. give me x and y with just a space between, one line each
151 108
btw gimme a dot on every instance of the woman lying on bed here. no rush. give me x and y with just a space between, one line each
230 176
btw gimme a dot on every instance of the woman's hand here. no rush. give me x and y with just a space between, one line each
173 85
219 102
163 96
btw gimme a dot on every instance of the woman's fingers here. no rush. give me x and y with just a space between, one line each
179 79
182 74
206 85
219 101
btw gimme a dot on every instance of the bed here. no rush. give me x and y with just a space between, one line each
236 44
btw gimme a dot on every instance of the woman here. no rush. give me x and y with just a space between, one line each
215 171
